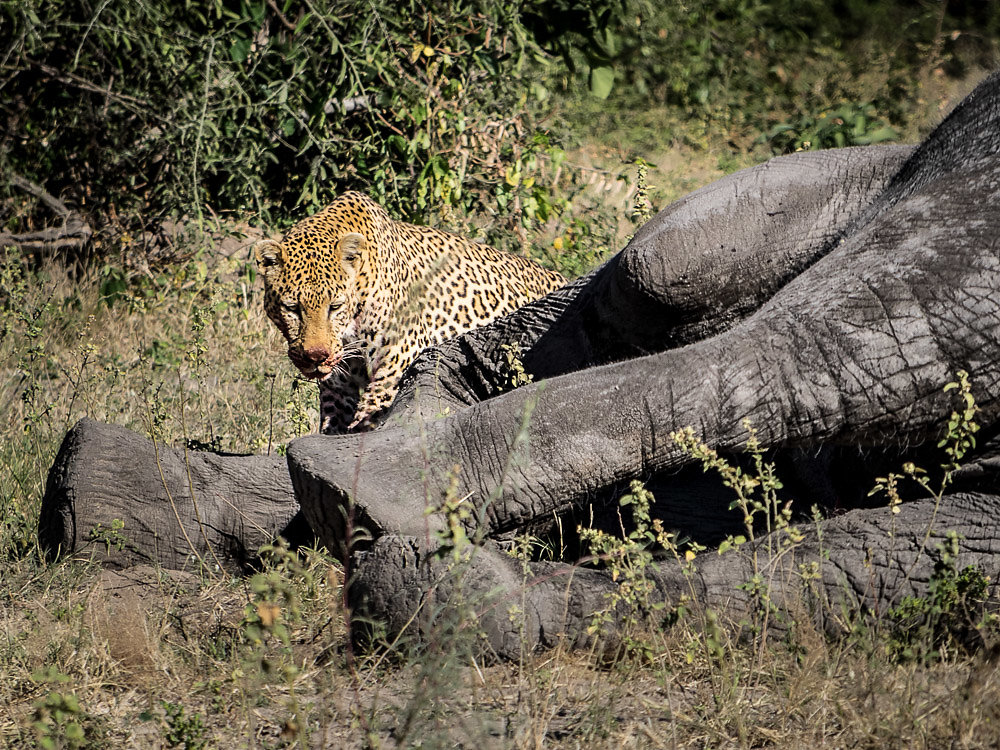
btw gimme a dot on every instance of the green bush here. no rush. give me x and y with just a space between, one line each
134 110
746 65
849 125
694 53
951 618
264 110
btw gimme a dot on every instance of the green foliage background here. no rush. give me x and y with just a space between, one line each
134 111
250 107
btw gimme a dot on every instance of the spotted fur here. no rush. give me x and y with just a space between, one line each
358 295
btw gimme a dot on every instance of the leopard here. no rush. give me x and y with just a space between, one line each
358 295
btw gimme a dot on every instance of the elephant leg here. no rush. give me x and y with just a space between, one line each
715 256
702 264
862 563
402 586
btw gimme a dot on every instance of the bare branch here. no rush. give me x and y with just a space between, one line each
82 83
48 199
281 16
75 232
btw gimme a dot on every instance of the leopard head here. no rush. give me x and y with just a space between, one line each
314 282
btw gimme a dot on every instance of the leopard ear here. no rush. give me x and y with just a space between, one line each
267 253
351 247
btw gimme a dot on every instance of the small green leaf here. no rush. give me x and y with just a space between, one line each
610 44
878 136
240 50
602 80
74 734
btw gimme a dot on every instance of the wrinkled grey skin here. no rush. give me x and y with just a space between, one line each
825 297
117 497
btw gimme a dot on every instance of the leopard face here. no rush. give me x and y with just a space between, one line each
314 286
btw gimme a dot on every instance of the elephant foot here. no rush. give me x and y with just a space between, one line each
353 489
118 496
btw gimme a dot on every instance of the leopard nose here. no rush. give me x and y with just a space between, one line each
317 354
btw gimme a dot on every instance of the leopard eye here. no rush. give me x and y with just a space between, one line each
290 307
335 304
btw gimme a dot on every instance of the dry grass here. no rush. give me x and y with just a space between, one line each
149 658
133 646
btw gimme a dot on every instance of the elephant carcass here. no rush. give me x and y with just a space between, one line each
844 344
803 203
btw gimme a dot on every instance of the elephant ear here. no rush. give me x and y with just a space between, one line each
267 253
352 247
